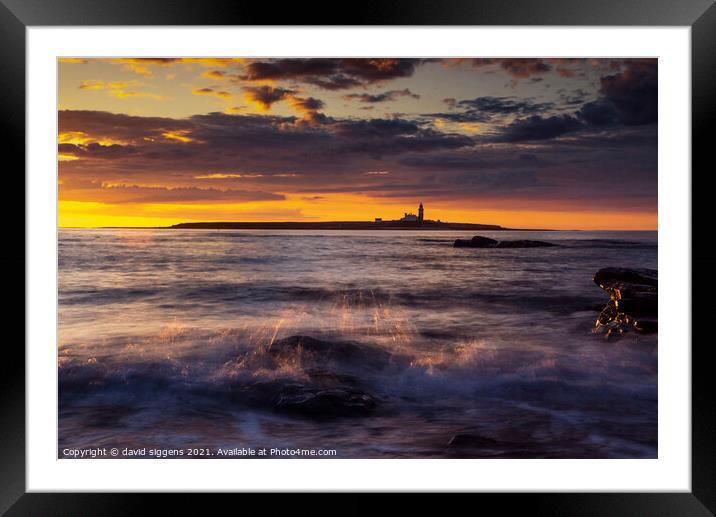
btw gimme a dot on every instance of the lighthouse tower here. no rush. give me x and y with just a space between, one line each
420 213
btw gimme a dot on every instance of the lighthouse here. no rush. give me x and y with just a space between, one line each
420 213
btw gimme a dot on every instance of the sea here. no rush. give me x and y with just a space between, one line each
365 344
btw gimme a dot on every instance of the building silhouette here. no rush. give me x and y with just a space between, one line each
412 218
408 217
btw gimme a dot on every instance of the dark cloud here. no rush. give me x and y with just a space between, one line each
96 150
461 116
334 82
330 154
379 69
266 96
375 128
573 98
599 113
633 92
524 68
103 125
307 104
219 140
330 73
379 137
629 97
289 69
482 109
520 68
391 95
505 105
537 127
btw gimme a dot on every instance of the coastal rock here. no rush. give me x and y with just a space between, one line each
319 352
328 383
479 241
471 441
476 242
613 275
326 403
315 398
633 300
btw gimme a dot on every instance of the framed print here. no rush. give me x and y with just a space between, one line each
422 258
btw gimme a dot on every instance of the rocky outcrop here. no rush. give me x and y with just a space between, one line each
322 381
479 241
314 398
320 353
476 242
633 300
467 440
326 403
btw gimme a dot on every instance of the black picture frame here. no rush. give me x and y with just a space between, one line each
700 15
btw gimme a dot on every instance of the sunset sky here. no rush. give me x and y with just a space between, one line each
548 143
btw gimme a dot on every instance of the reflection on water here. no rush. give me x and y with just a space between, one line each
412 348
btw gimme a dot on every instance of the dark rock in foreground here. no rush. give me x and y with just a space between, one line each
330 387
633 300
479 241
326 403
612 275
321 352
476 242
315 398
471 441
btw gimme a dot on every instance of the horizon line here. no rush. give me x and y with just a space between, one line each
499 227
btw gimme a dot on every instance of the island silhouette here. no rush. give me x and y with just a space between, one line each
409 221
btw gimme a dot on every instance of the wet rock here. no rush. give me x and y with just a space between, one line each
328 383
261 394
326 403
633 300
319 352
479 241
476 242
471 441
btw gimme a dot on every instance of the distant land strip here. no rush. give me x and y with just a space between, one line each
345 225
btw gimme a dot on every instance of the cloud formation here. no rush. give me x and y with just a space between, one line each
331 73
521 68
265 96
212 92
539 128
122 193
390 95
629 97
484 109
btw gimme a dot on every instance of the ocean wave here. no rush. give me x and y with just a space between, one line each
518 295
